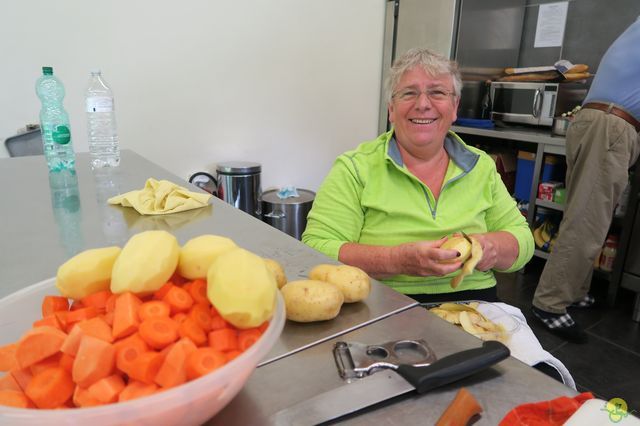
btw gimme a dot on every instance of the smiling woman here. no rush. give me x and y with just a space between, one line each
387 206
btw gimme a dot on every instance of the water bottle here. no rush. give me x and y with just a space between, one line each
103 136
54 122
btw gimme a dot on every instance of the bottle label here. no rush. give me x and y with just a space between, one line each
61 135
99 104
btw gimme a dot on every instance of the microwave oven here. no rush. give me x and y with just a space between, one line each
533 103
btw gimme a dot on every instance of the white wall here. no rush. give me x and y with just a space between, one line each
287 83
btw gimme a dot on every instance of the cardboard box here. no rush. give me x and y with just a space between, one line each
547 189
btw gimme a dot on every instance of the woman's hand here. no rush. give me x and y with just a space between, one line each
489 252
423 258
499 250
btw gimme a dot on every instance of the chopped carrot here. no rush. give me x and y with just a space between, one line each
201 315
202 361
173 371
189 328
61 316
153 308
198 291
22 376
128 350
159 332
14 398
52 304
217 323
179 299
95 359
248 337
224 339
50 320
75 305
7 382
8 357
214 312
460 410
72 342
82 398
110 305
263 327
98 300
125 320
162 291
97 327
179 317
52 361
50 388
135 389
108 318
106 390
66 362
146 366
81 314
38 344
231 355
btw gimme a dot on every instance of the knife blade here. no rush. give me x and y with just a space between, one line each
385 384
466 237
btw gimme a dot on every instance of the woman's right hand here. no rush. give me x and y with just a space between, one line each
423 258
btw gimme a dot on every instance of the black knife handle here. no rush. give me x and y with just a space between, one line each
454 367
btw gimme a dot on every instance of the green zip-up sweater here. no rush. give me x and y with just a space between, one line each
370 197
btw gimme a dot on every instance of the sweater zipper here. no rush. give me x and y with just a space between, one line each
434 209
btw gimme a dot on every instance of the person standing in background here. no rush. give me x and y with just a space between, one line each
602 144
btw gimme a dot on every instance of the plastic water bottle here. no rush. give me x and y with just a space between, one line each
54 122
103 136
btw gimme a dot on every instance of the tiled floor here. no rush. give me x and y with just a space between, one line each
609 364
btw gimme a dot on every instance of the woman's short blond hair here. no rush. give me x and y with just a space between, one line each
431 62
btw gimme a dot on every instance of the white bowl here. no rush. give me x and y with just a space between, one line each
192 403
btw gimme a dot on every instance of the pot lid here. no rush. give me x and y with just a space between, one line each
238 167
304 196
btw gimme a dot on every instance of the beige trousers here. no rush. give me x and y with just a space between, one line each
600 149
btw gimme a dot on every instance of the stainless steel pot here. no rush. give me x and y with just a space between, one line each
239 185
287 214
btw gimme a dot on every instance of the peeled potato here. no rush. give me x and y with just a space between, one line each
197 255
87 272
320 272
277 270
241 288
461 245
311 300
353 282
146 263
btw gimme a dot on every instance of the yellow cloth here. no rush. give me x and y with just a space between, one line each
161 197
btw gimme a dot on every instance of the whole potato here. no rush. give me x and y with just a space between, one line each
277 270
353 282
461 245
320 272
311 300
87 272
200 252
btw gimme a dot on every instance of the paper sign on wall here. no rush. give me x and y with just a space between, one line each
552 18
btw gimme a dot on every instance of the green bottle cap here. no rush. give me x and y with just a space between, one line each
47 70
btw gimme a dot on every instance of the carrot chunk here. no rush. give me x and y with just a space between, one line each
106 390
173 371
248 337
202 361
224 339
179 299
153 308
217 323
97 300
7 382
159 332
50 388
128 350
14 398
189 328
66 362
97 327
52 361
201 315
50 320
125 320
22 376
53 304
162 291
146 366
198 291
38 344
95 359
110 306
8 357
231 355
82 398
135 389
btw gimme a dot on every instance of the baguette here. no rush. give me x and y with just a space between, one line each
577 76
578 68
538 76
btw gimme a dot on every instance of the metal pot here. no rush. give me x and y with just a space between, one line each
287 214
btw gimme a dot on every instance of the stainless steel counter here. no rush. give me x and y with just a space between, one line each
46 221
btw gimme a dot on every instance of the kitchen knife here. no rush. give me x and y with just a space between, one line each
385 384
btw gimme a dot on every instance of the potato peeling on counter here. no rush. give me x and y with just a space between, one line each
471 320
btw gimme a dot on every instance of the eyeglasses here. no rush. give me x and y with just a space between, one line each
411 95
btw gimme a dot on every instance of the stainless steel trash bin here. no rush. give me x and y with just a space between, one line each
287 214
239 185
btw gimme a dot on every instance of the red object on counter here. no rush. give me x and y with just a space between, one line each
545 413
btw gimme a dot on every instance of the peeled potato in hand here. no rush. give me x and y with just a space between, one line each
277 270
461 245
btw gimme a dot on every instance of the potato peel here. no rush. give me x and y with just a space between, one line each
470 264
